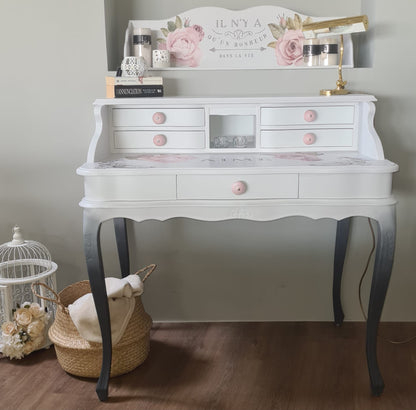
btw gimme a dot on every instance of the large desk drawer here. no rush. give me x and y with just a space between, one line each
264 186
158 139
307 138
307 115
158 117
130 187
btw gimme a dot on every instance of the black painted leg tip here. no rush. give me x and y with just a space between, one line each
339 321
102 394
377 390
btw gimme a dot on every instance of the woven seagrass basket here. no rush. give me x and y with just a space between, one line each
82 358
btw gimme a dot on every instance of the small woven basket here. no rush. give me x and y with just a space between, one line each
82 358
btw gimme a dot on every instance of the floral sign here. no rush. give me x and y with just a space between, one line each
263 37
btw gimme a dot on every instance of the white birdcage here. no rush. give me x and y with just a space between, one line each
22 263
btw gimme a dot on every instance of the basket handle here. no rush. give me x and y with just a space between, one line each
149 269
57 299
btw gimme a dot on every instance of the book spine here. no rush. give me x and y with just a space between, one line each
137 81
109 91
134 91
133 80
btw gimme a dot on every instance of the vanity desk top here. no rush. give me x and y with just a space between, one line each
196 149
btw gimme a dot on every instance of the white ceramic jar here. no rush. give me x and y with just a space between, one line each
142 44
311 52
329 51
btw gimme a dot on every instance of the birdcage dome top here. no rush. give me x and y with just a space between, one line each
23 259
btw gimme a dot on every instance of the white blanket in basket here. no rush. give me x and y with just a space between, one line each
121 295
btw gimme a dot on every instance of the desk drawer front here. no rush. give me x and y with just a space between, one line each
130 187
307 115
162 117
307 138
237 186
158 139
356 185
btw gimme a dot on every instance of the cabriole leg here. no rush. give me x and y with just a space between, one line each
341 242
93 256
383 263
120 228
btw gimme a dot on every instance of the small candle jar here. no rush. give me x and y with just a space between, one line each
329 51
133 67
161 59
311 52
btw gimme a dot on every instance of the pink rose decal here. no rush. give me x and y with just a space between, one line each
289 38
183 44
289 48
182 41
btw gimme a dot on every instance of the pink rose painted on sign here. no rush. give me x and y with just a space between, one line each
289 40
289 48
183 44
182 41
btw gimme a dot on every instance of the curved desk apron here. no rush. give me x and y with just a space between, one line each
260 159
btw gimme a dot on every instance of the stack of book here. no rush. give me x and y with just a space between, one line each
134 87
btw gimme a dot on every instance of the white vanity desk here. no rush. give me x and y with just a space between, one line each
249 158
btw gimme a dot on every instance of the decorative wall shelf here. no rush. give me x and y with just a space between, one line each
263 37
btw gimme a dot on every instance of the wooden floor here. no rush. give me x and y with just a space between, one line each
241 366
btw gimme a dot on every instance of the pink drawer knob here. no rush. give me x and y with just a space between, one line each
159 140
159 118
238 188
310 115
309 138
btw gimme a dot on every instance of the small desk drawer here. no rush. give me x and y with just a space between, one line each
306 138
265 186
158 139
158 117
307 115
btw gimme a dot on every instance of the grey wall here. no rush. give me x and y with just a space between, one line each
53 63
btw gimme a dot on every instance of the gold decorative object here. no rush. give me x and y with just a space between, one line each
337 27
